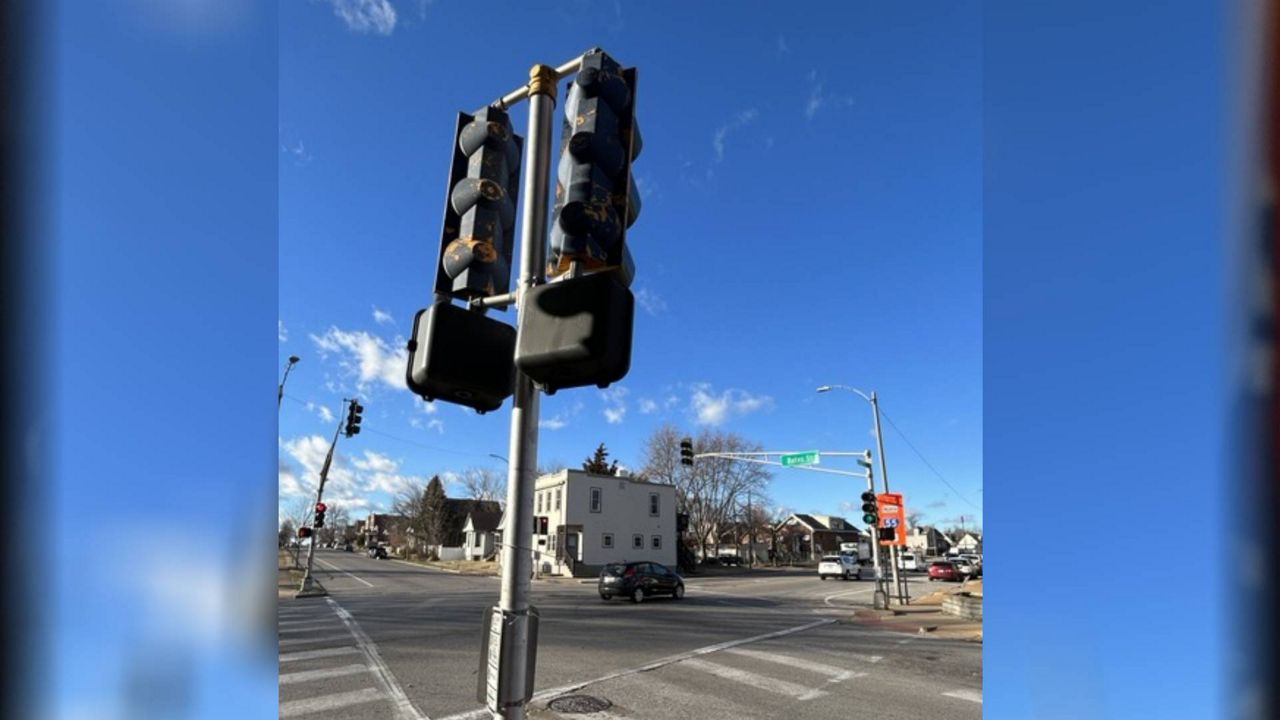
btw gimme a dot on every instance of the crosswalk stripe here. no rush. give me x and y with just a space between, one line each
795 662
329 702
310 627
321 653
314 640
966 694
309 675
764 682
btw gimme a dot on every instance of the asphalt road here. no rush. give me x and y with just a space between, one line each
395 640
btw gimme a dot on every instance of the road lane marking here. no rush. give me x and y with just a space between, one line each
322 653
309 675
313 640
329 702
827 600
344 572
764 682
309 627
298 623
836 672
966 694
555 692
381 673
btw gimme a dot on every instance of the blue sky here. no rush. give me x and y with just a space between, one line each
812 200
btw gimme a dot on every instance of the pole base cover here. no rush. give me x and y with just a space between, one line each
576 332
460 356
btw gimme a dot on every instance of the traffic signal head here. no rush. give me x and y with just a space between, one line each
576 332
480 209
304 532
686 452
596 198
354 415
870 514
319 519
461 356
865 459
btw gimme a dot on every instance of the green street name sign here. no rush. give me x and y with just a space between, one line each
800 458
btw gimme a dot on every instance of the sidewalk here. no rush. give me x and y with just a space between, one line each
924 616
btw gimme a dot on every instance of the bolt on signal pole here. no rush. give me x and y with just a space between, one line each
308 585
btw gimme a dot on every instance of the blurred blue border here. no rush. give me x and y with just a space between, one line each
1106 381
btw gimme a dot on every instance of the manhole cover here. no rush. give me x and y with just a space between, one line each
579 704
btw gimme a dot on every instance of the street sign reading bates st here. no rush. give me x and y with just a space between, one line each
800 458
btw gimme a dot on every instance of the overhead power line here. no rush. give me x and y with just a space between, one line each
926 462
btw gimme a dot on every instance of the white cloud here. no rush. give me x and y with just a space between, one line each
554 423
436 424
369 357
281 332
713 409
376 16
650 301
376 462
647 406
740 120
382 317
615 404
818 99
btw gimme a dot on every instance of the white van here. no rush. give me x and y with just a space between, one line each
907 561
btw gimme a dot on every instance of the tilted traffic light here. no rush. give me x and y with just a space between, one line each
319 519
457 354
354 417
870 513
304 532
596 197
576 330
686 452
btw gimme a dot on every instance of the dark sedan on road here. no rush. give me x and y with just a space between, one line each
377 552
944 570
639 581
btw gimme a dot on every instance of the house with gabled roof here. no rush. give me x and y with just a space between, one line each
806 537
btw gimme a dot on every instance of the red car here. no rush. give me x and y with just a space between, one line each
944 570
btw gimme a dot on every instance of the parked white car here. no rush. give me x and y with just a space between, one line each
839 566
965 567
908 561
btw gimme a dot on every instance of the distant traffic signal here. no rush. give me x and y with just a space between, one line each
870 514
319 519
304 532
354 417
686 452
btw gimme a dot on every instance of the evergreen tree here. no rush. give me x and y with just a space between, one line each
598 464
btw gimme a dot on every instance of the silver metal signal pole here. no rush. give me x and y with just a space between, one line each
884 479
308 585
517 558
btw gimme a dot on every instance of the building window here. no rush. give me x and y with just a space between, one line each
539 503
657 542
653 504
557 498
477 542
608 540
595 499
637 542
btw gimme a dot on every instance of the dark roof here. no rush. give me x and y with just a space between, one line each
810 521
485 521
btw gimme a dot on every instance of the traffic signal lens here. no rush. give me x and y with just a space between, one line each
869 519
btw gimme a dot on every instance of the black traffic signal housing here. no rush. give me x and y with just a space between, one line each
870 512
596 197
686 452
457 354
576 330
354 416
319 519
304 532
887 533
542 524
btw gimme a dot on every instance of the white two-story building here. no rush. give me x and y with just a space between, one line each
583 522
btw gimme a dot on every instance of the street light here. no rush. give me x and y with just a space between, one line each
499 457
293 360
884 476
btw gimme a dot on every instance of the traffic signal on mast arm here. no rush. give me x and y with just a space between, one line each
870 514
457 354
686 452
576 331
354 410
319 520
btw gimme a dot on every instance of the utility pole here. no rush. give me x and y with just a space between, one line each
517 560
884 480
308 585
751 533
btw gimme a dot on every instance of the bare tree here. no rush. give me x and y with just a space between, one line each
481 483
299 510
335 521
410 504
286 532
710 491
